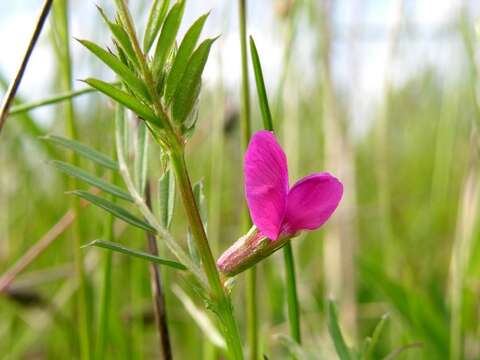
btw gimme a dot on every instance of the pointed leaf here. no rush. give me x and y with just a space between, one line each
155 19
114 209
135 84
187 90
83 150
261 91
125 99
335 332
167 36
121 37
166 198
135 253
90 179
184 52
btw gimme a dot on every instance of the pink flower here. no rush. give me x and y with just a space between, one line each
278 211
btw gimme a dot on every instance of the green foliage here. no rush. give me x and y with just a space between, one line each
182 57
166 198
336 334
261 90
125 99
114 209
157 14
90 179
135 253
83 150
167 36
121 38
189 87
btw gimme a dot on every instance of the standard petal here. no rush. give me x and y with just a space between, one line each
311 201
266 182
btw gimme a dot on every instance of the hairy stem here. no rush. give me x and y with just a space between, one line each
219 298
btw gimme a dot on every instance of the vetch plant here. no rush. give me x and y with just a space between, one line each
161 88
279 212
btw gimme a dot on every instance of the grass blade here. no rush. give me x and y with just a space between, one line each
166 198
132 81
83 150
135 253
155 19
261 90
336 334
167 36
114 209
184 52
187 90
375 337
22 108
125 99
92 180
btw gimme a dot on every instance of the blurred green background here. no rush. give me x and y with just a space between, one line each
383 94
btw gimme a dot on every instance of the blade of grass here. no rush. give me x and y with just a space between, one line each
335 332
290 279
22 108
61 29
13 88
251 276
106 287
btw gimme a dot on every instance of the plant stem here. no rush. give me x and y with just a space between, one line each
62 27
251 289
105 296
218 296
157 289
49 101
292 298
12 90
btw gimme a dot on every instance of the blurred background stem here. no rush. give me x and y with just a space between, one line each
251 275
62 32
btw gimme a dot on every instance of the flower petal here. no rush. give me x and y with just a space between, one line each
266 182
311 201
